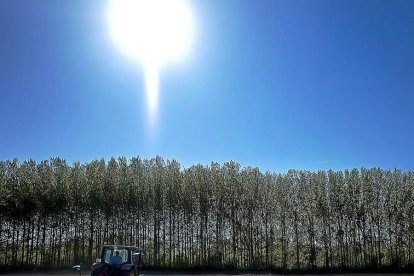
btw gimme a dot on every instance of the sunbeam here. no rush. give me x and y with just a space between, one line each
152 88
154 33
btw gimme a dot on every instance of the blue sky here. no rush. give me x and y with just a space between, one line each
311 84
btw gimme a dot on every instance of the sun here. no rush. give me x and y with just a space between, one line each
151 30
153 33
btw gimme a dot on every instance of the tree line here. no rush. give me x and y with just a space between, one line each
54 214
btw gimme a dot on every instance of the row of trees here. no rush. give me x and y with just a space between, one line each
55 214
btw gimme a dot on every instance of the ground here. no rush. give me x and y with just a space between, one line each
85 273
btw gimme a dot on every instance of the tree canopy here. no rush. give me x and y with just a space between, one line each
220 216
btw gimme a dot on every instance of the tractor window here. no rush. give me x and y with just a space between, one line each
110 252
124 255
107 255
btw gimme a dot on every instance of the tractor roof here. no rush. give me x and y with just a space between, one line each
119 246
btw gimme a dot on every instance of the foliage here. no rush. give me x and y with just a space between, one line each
55 214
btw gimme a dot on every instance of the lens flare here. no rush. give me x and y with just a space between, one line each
152 88
153 33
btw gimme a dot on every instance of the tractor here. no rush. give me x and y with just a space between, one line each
117 260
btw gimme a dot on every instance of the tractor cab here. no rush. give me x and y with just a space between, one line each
118 260
117 255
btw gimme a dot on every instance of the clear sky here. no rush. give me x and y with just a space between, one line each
275 84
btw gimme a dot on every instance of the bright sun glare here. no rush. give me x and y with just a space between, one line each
152 32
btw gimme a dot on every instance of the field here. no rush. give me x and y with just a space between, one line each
65 273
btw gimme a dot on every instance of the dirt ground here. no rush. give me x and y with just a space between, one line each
66 273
